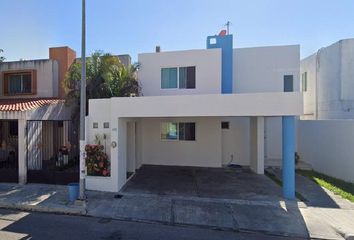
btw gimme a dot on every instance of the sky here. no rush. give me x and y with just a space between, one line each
30 27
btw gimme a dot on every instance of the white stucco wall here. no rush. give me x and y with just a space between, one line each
205 151
207 64
246 104
47 76
100 115
261 69
308 66
332 68
328 146
273 140
236 141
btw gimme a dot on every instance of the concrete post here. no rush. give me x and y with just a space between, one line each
260 145
22 161
257 144
122 152
288 132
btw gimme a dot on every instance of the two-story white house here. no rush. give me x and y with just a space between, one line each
204 108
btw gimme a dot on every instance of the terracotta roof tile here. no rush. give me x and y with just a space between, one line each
8 105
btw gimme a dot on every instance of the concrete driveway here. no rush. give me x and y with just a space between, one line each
221 198
219 183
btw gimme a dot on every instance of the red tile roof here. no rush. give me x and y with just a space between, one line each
26 104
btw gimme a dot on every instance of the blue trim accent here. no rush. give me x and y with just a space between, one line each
225 43
288 133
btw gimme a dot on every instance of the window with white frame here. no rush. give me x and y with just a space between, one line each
182 77
182 131
168 78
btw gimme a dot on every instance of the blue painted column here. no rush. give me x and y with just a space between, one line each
225 42
288 133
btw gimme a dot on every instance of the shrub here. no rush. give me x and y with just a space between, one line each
97 161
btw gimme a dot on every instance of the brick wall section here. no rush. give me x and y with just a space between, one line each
65 57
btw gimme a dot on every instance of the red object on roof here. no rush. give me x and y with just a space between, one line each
222 33
26 104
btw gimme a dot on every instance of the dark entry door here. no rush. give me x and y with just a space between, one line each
52 152
9 151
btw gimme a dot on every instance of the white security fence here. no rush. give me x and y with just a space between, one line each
328 145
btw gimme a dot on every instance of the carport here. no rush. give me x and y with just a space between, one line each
221 183
122 114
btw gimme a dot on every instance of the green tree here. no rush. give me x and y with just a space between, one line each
2 58
106 77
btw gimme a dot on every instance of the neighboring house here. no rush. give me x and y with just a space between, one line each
204 108
327 80
125 59
325 141
35 124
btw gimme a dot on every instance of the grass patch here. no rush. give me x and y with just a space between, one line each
340 187
280 183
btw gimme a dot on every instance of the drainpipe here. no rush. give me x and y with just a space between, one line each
316 79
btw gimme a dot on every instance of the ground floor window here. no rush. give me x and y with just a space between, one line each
182 131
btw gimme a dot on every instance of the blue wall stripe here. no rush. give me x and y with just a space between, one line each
226 45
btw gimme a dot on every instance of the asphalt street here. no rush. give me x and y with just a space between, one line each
43 226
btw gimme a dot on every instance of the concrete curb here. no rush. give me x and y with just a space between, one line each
83 212
46 209
226 229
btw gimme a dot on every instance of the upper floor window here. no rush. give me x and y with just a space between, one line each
169 78
185 76
288 83
304 81
19 83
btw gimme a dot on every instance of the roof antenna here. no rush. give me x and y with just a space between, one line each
228 23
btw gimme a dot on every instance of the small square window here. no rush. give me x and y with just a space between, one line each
212 41
106 125
95 125
225 125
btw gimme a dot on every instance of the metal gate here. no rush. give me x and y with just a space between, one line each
52 152
8 151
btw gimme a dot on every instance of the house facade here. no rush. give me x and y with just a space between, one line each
327 82
35 124
207 108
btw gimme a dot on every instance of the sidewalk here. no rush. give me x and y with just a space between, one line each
323 206
38 197
286 218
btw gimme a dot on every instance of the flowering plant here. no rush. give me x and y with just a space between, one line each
97 161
